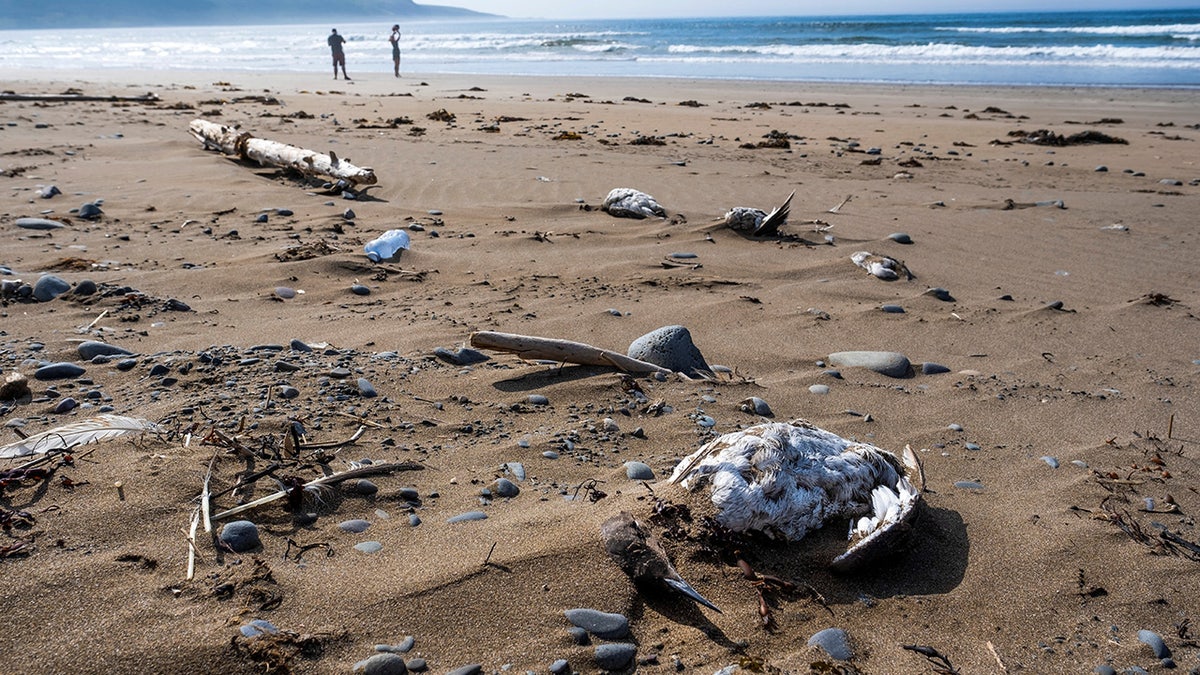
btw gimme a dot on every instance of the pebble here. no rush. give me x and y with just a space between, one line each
973 446
66 405
469 515
258 627
892 309
414 520
550 454
49 191
39 224
286 391
968 485
560 667
1152 639
955 427
359 289
1104 669
930 368
579 636
262 218
834 641
418 665
58 371
818 389
892 364
368 547
603 625
835 374
90 211
366 389
381 664
517 469
940 293
504 487
638 471
49 287
349 214
537 399
1171 181
757 406
463 356
362 486
670 347
900 238
85 287
356 525
615 656
285 292
1101 169
472 669
284 212
1051 461
91 349
403 647
299 346
241 536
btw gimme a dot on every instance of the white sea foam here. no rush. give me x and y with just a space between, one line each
1150 29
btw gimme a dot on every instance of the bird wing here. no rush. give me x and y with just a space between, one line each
775 219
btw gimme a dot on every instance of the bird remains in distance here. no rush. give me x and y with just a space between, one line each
756 222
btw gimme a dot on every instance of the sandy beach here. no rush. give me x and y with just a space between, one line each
1051 323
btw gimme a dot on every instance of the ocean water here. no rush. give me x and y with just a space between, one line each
1130 48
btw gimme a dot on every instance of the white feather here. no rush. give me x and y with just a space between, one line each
77 433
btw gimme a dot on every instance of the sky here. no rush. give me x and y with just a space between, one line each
608 9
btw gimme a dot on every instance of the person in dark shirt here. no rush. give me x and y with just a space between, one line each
395 40
339 57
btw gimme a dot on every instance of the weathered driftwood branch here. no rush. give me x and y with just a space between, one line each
272 153
54 98
530 347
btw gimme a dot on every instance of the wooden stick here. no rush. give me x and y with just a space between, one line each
191 566
10 96
368 470
281 155
530 348
206 496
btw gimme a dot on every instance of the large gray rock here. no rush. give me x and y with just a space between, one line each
49 287
892 364
90 349
670 347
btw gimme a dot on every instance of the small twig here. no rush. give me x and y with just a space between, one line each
940 664
840 205
992 648
1170 425
369 470
337 444
488 559
191 539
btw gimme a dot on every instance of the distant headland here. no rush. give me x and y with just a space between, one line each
116 13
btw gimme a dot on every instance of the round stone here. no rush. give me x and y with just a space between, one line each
834 641
504 487
90 349
58 371
49 287
240 536
355 525
892 364
603 625
670 347
615 656
638 471
468 516
382 664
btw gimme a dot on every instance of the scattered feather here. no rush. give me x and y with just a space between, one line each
68 436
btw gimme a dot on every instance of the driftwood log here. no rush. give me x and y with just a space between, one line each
231 141
530 347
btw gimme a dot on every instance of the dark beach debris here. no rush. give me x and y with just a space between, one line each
1047 137
939 663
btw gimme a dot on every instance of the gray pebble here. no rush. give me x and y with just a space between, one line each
615 656
91 349
299 346
892 309
126 364
550 454
900 238
1156 644
359 289
286 391
1079 463
38 224
418 665
537 399
638 471
1051 461
601 624
940 293
240 536
560 667
463 356
66 405
381 664
973 446
1104 669
504 487
1171 181
684 255
892 364
414 520
49 191
955 427
285 292
473 669
835 374
262 218
356 525
366 389
284 212
58 371
469 515
85 287
49 287
349 214
579 636
362 486
818 389
968 485
90 211
368 547
757 406
403 647
435 212
670 347
517 469
930 368
834 641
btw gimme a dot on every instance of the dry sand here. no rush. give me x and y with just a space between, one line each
1040 570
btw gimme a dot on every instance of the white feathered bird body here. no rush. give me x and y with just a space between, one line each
787 479
631 203
758 222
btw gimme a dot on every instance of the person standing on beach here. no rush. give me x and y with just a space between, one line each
339 57
395 40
